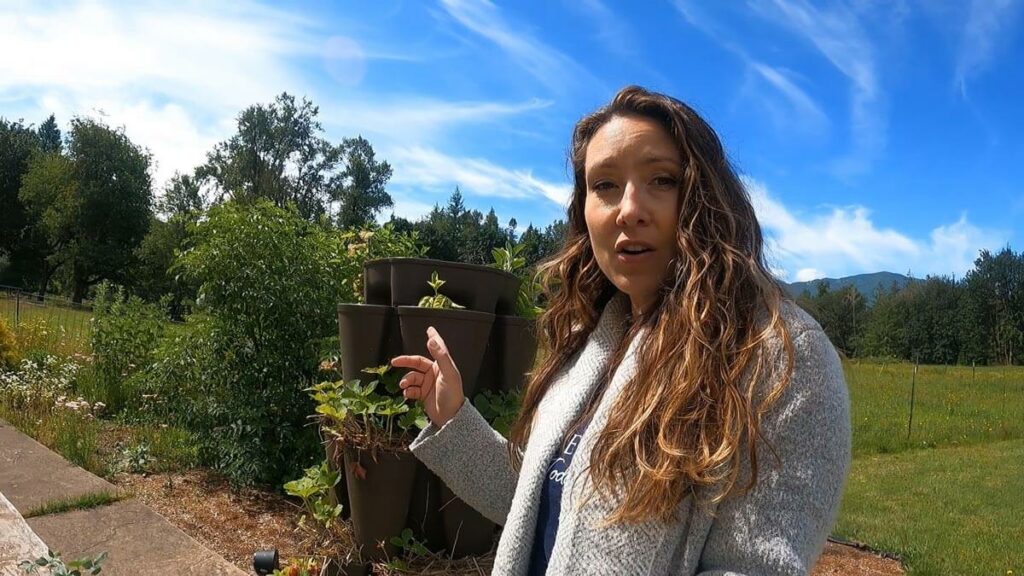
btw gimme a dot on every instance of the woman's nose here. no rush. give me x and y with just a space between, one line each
632 211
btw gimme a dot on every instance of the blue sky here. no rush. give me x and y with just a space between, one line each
872 135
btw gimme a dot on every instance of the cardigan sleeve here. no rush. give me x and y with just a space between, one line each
472 459
780 526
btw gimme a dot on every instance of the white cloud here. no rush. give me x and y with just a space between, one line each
612 30
429 168
549 66
838 35
800 110
204 54
417 118
176 77
842 241
805 109
405 207
807 274
987 20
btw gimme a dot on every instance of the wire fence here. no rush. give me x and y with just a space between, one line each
44 322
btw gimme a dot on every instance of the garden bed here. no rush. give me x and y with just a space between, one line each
237 523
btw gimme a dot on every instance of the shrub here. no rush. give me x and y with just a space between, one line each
124 332
269 284
8 347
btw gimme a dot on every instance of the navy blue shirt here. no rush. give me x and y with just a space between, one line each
550 504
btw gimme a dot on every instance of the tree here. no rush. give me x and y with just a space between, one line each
362 191
49 194
993 315
277 154
837 312
182 205
182 197
92 205
17 145
49 136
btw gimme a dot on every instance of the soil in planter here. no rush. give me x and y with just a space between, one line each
465 332
380 492
474 286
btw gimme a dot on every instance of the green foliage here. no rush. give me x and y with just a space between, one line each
110 205
499 409
373 243
76 436
314 489
135 459
510 260
438 300
18 144
87 208
49 195
55 566
456 234
410 548
278 154
83 502
269 284
124 332
9 355
843 315
361 193
372 415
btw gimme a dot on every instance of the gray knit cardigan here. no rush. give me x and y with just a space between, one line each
779 527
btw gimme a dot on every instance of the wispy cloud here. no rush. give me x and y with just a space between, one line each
175 77
986 23
429 168
841 241
227 58
810 114
803 112
555 70
417 118
613 32
838 35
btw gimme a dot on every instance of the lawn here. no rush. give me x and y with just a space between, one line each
948 500
57 329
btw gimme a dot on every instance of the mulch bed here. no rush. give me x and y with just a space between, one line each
236 523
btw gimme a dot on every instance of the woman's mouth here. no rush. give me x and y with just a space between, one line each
633 254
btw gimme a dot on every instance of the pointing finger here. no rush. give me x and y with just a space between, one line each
418 363
438 349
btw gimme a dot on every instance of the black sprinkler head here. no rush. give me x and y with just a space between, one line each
264 562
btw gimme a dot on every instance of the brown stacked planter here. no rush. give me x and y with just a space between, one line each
380 498
491 352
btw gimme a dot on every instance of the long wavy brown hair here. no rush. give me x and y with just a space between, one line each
685 418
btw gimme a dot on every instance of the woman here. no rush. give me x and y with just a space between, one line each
671 348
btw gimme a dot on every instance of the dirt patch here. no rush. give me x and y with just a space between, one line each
842 559
232 523
237 523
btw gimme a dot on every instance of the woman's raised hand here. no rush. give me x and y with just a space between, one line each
437 383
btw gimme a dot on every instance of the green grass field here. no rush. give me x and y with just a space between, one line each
950 499
55 329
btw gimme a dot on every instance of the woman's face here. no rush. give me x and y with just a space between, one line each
633 171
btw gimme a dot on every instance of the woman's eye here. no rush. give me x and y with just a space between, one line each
665 181
603 185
